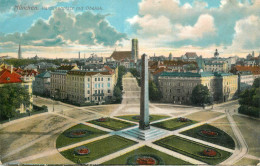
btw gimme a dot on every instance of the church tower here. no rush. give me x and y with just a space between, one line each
19 52
216 54
135 49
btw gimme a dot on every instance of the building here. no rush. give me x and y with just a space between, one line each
245 80
58 81
215 66
177 87
126 58
189 56
255 70
90 86
9 76
42 84
94 59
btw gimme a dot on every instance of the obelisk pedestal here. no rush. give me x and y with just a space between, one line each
144 122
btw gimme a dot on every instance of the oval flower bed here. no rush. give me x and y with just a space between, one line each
82 150
208 133
181 119
144 159
102 120
209 153
77 133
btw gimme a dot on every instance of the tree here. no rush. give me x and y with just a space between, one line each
154 93
201 95
12 97
117 95
250 101
256 83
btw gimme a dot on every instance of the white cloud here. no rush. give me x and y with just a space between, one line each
247 33
203 27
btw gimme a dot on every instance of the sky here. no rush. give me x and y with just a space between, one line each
62 28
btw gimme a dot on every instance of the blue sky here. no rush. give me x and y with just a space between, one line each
162 26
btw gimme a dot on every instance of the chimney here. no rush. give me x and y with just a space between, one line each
12 68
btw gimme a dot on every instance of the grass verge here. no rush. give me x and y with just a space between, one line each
173 124
99 148
63 140
113 124
192 149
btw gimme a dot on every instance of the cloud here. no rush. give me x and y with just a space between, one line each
67 28
247 33
191 24
203 27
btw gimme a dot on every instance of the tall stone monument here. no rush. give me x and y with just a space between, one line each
144 131
144 122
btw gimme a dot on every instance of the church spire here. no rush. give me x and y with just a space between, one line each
19 51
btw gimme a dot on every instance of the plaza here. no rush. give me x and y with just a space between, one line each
48 138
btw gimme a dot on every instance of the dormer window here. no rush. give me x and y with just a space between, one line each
8 78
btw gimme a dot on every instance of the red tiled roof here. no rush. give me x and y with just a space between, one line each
158 71
7 77
120 55
254 69
108 68
29 73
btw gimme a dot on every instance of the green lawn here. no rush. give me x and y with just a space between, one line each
113 124
99 149
173 124
223 139
152 117
166 159
192 149
63 140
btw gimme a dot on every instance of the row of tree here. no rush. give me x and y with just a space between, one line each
249 100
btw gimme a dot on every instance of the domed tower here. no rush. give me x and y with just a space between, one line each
216 54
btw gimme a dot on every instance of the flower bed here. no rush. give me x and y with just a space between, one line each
209 133
102 120
82 150
181 119
77 133
209 153
145 159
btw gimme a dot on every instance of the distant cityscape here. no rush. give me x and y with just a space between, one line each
91 80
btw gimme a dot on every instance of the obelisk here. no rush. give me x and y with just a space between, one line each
144 122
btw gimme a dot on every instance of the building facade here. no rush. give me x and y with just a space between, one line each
90 87
177 87
58 81
41 84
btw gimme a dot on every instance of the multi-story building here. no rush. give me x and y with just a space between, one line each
58 81
9 76
245 80
216 67
177 87
90 86
41 84
189 56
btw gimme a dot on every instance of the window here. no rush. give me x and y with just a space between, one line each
101 91
95 79
99 85
98 79
88 85
98 91
88 79
95 85
102 85
102 79
108 85
108 79
108 91
95 91
88 91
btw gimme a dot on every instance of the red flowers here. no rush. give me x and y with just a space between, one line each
146 161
